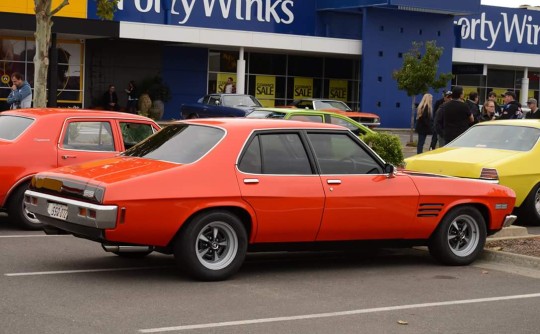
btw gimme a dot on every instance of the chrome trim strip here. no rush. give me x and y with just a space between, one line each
105 214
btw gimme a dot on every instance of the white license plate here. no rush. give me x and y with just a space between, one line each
58 211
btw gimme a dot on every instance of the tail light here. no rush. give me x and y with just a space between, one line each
489 174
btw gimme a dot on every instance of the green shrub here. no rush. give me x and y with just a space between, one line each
387 146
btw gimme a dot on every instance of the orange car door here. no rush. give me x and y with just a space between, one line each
361 201
85 140
276 178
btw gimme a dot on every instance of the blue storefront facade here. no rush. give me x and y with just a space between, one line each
280 50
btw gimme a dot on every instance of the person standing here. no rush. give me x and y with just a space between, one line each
132 97
447 96
110 99
535 112
492 96
423 121
21 92
512 108
455 118
472 103
488 111
230 87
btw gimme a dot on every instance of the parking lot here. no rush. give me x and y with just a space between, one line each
62 284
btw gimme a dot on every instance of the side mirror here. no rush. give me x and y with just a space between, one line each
390 170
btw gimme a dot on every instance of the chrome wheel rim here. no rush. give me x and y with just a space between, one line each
216 245
537 201
463 235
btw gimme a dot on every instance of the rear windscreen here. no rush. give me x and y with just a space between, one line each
12 126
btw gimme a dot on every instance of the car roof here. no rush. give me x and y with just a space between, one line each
534 123
260 123
65 113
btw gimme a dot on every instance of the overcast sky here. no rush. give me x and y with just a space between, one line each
510 3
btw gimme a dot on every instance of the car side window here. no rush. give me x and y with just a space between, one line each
276 153
133 133
305 105
307 118
88 136
338 153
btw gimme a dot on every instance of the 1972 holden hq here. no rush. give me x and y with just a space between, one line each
210 190
34 140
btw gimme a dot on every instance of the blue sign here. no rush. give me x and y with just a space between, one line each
499 29
275 16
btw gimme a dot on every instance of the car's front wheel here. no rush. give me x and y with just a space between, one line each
212 246
17 211
460 237
530 208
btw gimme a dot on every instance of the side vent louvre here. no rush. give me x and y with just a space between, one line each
429 209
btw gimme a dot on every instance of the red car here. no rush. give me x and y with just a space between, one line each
34 140
209 190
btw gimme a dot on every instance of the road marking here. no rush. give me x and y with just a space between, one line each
334 314
60 272
33 235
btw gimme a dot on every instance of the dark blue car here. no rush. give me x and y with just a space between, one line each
220 105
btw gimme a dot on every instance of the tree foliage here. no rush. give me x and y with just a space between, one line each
44 14
419 72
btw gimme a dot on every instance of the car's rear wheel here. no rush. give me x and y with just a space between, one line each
530 208
17 211
212 247
460 237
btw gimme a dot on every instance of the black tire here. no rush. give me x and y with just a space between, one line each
193 116
132 255
460 237
212 247
529 211
17 212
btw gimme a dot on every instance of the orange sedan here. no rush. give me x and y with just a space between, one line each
34 140
210 190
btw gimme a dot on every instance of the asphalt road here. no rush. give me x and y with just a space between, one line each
62 284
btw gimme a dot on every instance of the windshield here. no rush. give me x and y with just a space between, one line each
320 105
240 100
504 137
179 143
12 126
266 114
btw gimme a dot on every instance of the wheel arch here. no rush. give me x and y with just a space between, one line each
20 183
242 214
482 208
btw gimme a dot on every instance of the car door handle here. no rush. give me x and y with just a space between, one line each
333 181
249 181
68 156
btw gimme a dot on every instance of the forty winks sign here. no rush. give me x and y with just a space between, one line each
274 16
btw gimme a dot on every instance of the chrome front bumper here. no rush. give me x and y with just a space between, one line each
509 220
78 212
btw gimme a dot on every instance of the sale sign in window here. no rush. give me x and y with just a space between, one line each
265 90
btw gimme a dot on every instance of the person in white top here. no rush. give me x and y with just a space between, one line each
230 87
21 92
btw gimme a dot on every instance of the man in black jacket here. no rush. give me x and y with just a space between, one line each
447 96
535 112
455 116
512 108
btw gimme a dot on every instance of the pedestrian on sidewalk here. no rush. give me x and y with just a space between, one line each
423 121
447 96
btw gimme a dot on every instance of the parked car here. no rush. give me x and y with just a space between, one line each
220 105
312 116
386 145
34 140
252 185
505 152
368 119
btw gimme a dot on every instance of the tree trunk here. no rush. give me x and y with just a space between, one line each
413 109
41 58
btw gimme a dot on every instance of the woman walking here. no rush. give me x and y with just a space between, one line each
423 121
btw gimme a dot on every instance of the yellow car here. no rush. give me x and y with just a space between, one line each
505 152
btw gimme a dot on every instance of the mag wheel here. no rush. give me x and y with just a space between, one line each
460 237
212 247
17 211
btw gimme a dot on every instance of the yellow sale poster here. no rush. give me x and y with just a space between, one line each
76 8
303 88
265 90
222 81
338 90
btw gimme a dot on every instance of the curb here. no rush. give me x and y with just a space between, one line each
519 260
